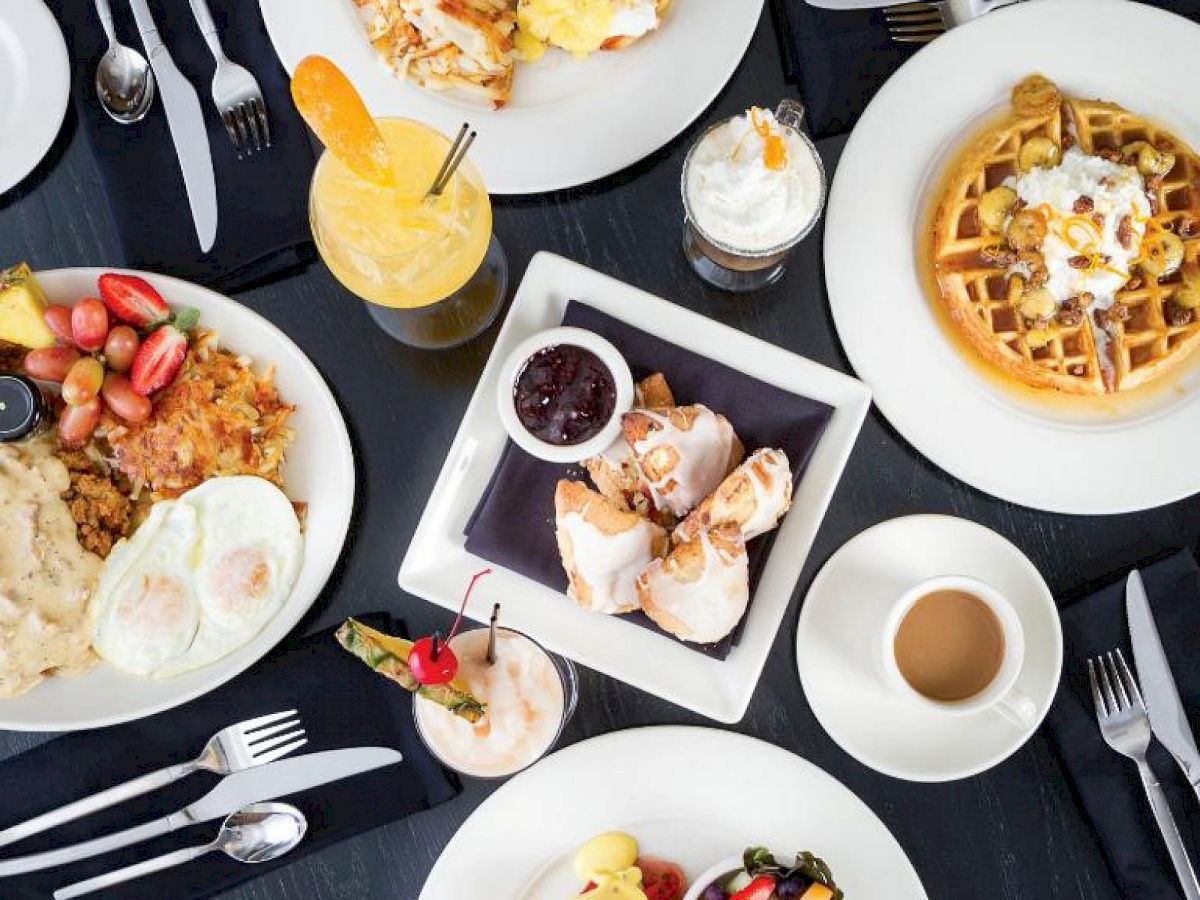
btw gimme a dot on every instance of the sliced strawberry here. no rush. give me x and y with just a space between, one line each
161 354
133 300
761 888
589 887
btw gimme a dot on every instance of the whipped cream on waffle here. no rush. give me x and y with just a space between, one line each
739 196
1116 191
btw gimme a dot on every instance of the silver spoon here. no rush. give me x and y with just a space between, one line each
124 82
254 834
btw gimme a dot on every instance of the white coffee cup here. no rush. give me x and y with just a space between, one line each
1000 695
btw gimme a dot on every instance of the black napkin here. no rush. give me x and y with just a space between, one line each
262 228
513 525
1107 784
840 58
341 702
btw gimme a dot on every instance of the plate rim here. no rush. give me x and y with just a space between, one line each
1046 596
343 458
688 736
730 704
843 286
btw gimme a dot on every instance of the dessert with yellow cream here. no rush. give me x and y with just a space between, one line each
581 27
612 869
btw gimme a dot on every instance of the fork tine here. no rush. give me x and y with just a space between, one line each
259 733
243 135
1106 686
251 724
1119 682
916 39
247 115
906 7
280 752
264 746
1097 697
231 130
898 30
923 16
1129 681
259 109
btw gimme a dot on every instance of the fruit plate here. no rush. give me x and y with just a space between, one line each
570 121
436 560
319 471
695 815
1113 458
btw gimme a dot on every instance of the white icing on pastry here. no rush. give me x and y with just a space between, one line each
707 609
771 477
608 563
703 462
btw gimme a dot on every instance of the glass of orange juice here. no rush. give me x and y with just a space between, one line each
429 267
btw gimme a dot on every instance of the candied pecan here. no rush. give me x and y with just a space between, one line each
1176 315
1125 232
1077 369
1084 204
1098 218
1134 283
998 255
1119 312
1079 262
1189 227
1069 316
1112 154
1085 298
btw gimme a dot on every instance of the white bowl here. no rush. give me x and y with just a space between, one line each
511 371
724 867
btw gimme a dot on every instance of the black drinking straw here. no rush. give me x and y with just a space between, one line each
458 152
491 648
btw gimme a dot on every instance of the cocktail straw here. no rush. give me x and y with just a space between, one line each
491 648
458 152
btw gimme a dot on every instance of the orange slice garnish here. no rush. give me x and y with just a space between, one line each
334 110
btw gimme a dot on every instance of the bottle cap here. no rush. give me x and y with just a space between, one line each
22 408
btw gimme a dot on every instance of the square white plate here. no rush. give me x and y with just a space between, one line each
436 565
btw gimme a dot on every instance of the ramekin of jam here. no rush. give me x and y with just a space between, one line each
562 392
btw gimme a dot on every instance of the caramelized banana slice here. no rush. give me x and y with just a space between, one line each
1148 158
994 207
1027 230
1162 254
1038 152
1038 303
1036 95
1038 337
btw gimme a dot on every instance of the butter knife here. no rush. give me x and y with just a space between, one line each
1168 720
188 131
269 782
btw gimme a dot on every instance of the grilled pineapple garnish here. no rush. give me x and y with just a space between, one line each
388 656
21 306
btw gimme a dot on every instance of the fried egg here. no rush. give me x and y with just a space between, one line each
214 566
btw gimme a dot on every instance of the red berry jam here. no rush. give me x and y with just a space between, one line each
564 395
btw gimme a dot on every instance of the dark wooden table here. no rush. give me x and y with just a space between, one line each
1014 832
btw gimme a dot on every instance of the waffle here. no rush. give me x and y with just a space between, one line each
983 290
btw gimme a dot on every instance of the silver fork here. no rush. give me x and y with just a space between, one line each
1126 728
245 745
235 91
914 23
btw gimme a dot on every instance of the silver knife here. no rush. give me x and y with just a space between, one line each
269 782
188 131
1167 718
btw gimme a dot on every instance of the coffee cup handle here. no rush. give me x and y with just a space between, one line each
1018 708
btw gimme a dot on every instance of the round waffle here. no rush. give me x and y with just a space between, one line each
1076 345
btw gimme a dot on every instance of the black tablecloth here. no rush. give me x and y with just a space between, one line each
341 703
1106 784
513 524
262 199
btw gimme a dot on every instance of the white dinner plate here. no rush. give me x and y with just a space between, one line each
436 559
570 121
691 795
1109 460
35 82
839 632
319 471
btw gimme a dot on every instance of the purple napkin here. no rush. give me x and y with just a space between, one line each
513 525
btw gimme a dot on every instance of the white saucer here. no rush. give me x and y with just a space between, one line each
36 77
839 625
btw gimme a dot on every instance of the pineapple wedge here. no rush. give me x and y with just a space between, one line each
388 656
21 306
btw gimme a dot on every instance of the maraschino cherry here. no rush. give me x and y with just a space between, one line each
431 660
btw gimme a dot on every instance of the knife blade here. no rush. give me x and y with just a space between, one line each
1168 720
267 782
186 122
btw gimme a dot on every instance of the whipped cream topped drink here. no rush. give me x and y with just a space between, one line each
753 187
528 700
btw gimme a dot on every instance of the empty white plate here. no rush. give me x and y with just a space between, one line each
839 628
35 81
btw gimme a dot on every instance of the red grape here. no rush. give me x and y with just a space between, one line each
120 348
123 400
89 324
58 320
77 423
51 363
83 381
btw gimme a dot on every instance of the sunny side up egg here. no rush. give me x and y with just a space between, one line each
198 579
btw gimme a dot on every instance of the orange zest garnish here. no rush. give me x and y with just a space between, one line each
774 148
334 110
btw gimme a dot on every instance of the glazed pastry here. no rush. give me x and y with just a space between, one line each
754 497
683 453
603 548
700 591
